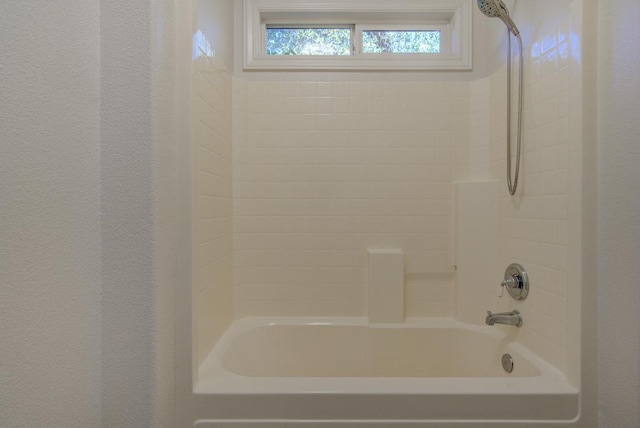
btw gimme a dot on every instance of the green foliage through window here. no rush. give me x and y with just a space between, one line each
400 41
337 41
308 41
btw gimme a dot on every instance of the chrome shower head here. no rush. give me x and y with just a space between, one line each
490 8
497 9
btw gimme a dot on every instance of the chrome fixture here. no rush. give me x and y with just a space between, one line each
506 318
507 363
497 9
516 281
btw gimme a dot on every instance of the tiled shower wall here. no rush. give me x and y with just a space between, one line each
533 224
328 169
324 170
212 187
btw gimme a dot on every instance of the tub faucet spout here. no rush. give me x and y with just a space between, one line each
507 318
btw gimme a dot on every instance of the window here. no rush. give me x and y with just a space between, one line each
352 40
282 40
401 41
357 34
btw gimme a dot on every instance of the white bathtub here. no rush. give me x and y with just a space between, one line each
267 372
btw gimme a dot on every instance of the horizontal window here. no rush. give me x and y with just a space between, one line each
357 34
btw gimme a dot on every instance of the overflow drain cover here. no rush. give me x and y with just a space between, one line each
507 363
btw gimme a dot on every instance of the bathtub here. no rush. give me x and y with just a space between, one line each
301 372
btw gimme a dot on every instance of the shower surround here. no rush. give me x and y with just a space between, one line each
329 169
325 167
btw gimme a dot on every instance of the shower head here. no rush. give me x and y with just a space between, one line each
497 9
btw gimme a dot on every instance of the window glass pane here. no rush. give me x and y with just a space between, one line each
308 41
412 41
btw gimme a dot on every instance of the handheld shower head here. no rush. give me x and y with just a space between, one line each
497 9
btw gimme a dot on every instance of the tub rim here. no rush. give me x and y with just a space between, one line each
213 378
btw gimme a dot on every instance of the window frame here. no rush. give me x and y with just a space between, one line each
453 18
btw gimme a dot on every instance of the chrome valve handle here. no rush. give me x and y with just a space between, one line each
516 281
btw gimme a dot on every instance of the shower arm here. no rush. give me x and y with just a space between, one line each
513 184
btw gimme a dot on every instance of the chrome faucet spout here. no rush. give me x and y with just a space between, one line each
507 318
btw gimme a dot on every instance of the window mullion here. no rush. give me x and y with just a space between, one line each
357 39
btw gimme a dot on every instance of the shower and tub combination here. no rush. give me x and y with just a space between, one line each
317 310
270 372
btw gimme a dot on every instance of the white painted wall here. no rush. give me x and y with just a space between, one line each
138 196
50 348
87 188
619 209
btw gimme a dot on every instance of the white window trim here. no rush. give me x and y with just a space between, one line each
458 26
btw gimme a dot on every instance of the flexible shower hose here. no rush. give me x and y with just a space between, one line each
513 184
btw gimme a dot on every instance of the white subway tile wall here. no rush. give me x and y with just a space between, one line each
212 198
324 170
329 169
533 224
479 129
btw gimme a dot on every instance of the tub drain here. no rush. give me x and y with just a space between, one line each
507 363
